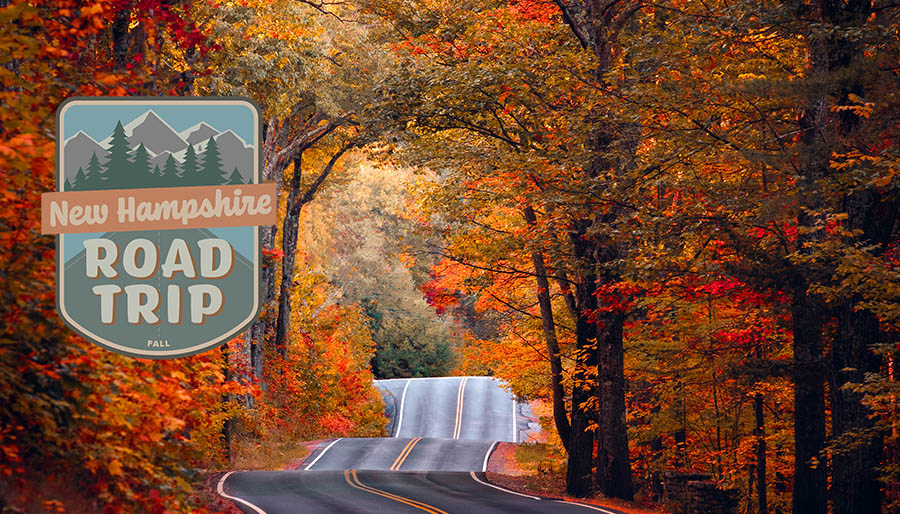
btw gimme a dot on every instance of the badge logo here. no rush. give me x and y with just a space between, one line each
157 214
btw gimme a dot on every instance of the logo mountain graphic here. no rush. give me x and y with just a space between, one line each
150 153
198 133
154 133
79 149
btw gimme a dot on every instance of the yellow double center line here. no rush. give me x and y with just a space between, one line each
353 480
460 395
405 453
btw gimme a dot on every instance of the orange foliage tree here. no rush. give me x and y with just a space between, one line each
84 429
709 180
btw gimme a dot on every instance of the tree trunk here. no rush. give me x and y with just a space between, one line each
120 36
596 26
228 424
560 417
566 290
808 315
613 461
289 234
255 338
579 482
834 50
855 484
810 481
760 433
278 149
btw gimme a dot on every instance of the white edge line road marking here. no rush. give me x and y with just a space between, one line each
220 489
319 456
487 456
515 432
475 477
402 401
587 506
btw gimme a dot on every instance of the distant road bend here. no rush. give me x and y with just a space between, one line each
444 430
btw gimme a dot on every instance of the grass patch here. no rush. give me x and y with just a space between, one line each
268 453
539 458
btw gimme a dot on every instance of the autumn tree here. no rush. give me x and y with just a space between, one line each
493 99
766 178
675 144
373 248
313 103
67 403
844 73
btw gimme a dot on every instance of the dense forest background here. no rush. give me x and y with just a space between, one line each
673 223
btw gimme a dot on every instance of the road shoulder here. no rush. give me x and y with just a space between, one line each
503 470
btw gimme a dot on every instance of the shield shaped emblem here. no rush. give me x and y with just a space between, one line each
157 214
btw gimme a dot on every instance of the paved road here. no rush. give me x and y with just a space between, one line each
475 408
401 454
351 491
443 432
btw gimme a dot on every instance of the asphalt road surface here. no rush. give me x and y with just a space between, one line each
443 431
472 408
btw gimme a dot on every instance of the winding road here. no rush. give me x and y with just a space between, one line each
443 432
